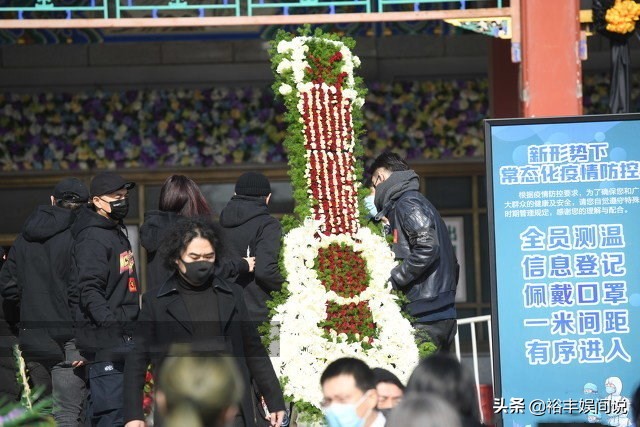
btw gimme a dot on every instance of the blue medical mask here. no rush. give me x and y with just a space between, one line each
610 389
344 414
370 205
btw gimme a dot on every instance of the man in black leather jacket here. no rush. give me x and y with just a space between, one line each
428 270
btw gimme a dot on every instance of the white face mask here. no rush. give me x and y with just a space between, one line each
345 414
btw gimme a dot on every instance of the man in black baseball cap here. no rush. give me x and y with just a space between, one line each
36 278
109 193
108 183
70 190
105 294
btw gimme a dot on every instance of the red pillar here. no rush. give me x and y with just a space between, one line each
504 101
551 69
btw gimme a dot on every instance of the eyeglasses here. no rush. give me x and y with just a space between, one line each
376 180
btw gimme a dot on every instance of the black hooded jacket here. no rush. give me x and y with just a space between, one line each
105 293
9 388
37 276
249 230
157 226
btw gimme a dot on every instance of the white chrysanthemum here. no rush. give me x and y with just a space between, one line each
283 66
284 46
304 87
285 89
350 93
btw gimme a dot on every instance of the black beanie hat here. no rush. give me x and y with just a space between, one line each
253 184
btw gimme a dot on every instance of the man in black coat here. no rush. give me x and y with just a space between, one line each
250 231
198 308
9 390
105 295
428 270
36 277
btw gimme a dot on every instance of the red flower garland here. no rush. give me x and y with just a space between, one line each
147 401
342 270
350 319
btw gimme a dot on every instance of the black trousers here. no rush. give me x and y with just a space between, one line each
441 332
105 400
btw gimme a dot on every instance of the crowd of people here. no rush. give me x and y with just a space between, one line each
72 300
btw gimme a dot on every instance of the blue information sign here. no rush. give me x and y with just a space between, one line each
564 214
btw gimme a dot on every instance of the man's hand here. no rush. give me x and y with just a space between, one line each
252 263
136 423
275 418
77 363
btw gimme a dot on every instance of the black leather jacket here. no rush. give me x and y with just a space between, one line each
428 270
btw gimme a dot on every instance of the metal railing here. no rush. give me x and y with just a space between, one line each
49 7
286 8
416 4
127 9
472 321
175 5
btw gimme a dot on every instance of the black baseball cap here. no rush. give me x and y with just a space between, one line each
71 190
107 183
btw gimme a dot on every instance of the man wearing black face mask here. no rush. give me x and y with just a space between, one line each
36 278
106 294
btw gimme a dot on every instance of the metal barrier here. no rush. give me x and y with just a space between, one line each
26 10
472 321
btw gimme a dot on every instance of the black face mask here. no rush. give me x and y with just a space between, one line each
119 209
198 272
386 412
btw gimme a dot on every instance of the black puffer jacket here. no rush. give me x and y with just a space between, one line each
157 226
9 388
105 292
249 230
37 278
428 271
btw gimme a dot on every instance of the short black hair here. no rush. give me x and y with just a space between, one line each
384 376
360 371
181 234
390 161
67 204
444 376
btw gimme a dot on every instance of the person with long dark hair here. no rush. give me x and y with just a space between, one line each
198 307
179 197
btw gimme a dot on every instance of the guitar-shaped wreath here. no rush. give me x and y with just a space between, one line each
339 302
